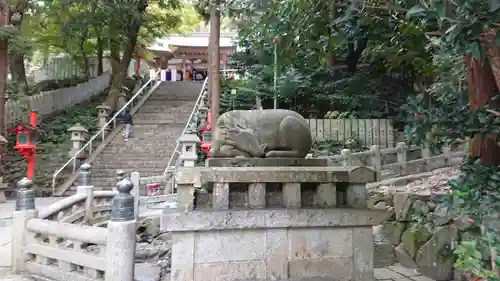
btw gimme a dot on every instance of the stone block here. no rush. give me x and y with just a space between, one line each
429 258
230 271
320 243
276 254
182 256
230 246
291 195
326 195
363 252
270 218
277 174
257 195
337 269
356 195
265 162
220 196
414 237
403 257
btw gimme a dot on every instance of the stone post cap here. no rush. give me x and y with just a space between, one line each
189 138
120 175
3 140
124 186
77 128
203 108
25 195
104 106
85 179
85 168
24 183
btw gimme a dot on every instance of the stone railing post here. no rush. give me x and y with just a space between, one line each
25 210
120 243
376 160
426 155
85 187
402 150
135 179
119 176
189 152
346 157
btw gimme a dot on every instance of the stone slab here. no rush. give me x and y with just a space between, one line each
265 162
270 218
245 246
196 176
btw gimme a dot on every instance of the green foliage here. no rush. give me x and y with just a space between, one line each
476 200
461 23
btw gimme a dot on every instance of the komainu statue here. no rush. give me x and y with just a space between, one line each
268 133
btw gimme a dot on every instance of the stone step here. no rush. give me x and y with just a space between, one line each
105 165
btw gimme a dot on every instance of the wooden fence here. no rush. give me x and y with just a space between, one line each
398 161
50 102
368 131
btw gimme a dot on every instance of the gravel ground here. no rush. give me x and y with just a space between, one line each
434 184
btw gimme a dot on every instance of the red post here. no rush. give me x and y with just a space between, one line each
31 166
33 118
31 156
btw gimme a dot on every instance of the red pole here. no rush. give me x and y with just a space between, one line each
33 118
31 166
31 158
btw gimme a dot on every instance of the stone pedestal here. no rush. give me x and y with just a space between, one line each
319 229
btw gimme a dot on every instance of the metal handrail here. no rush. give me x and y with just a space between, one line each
101 131
195 109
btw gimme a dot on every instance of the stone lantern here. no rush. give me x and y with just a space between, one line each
203 117
122 97
3 150
78 136
104 111
189 153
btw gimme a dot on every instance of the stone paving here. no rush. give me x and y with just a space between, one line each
397 272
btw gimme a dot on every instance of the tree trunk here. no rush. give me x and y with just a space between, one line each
4 60
18 72
354 54
215 59
482 87
85 59
117 77
16 65
100 52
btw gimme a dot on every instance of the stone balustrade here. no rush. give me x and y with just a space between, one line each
267 222
92 241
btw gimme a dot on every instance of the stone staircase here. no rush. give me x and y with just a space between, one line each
157 126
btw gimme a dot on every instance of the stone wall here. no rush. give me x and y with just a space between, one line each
420 232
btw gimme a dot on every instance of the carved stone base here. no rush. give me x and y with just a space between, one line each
265 162
279 244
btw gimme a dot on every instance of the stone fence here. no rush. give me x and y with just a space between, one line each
88 236
50 102
268 222
398 161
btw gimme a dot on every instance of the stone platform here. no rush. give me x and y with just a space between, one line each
319 229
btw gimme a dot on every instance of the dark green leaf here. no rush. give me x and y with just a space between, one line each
416 11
